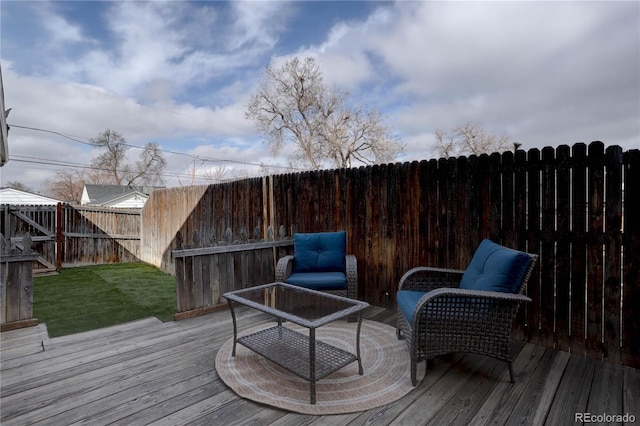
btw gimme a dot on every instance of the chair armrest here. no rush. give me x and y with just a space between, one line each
450 302
351 271
424 278
284 268
460 293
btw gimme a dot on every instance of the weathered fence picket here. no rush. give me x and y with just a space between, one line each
563 250
578 249
630 335
595 194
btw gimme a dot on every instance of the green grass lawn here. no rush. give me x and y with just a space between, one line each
90 297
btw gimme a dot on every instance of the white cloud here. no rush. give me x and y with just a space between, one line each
84 111
180 73
257 23
502 65
60 31
175 42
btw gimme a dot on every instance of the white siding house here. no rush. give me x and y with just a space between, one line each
116 196
16 197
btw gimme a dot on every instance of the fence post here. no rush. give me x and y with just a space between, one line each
16 286
59 237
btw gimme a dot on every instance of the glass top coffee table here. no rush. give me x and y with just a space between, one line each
298 353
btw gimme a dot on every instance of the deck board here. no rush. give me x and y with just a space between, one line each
466 401
149 372
606 389
499 405
630 391
573 392
535 402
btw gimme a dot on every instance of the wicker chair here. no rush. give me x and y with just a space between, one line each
320 263
442 311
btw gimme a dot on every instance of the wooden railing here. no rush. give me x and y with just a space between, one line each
204 274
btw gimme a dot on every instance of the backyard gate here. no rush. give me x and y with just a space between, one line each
40 223
73 235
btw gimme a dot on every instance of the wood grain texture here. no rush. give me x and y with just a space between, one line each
149 372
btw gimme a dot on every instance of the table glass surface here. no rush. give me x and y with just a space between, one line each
306 304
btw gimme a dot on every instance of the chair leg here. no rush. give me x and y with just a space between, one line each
414 380
414 369
511 371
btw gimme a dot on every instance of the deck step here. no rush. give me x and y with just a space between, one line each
108 332
94 343
24 341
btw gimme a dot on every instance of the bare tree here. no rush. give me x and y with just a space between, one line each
293 104
212 174
67 185
470 139
19 186
112 160
110 167
216 174
112 163
150 165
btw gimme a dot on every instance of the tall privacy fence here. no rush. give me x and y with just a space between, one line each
577 207
66 235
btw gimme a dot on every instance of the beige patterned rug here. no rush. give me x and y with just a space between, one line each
385 360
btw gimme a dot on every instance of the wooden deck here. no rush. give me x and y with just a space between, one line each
149 372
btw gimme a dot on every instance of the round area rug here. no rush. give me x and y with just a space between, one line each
385 361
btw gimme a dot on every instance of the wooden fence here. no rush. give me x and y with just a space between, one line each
577 207
96 235
66 235
211 268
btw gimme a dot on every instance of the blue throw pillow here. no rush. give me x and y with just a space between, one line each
495 268
320 252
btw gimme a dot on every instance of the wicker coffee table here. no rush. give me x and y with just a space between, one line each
298 353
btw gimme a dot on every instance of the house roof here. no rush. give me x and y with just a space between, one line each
135 196
17 197
110 194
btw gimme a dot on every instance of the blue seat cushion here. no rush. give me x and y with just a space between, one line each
320 252
495 268
319 280
458 308
407 301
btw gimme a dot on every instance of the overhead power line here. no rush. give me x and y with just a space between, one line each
48 162
195 157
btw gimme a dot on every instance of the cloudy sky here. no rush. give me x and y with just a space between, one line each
181 73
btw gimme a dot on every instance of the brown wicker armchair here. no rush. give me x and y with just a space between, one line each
437 316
